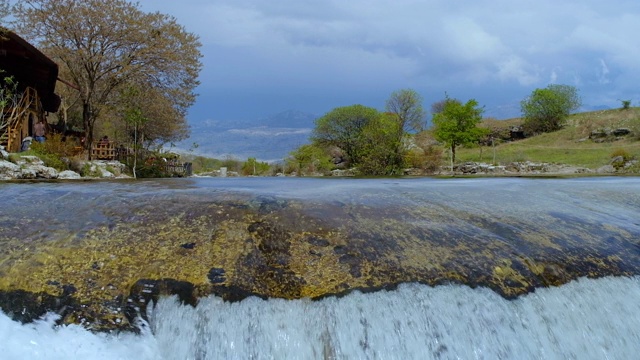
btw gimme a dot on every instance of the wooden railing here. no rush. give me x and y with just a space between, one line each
103 150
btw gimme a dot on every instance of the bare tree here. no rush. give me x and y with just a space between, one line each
406 105
107 44
405 108
4 10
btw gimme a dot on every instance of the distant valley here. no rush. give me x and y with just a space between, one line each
267 139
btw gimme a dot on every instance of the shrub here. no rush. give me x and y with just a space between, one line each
625 104
623 153
89 170
49 159
433 158
55 144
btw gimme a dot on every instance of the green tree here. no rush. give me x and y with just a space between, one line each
310 159
254 167
342 127
163 124
133 116
547 109
107 44
457 124
380 144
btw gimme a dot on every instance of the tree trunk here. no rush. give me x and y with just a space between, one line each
135 149
453 156
88 126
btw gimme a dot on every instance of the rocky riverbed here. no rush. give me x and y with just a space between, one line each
99 253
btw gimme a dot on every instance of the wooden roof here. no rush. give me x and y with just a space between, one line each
30 67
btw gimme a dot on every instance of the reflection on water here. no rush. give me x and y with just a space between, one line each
585 319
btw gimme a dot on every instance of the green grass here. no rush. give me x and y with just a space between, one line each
568 145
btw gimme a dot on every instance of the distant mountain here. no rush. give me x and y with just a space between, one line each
587 108
503 112
267 139
289 119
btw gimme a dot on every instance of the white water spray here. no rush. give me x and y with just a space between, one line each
585 319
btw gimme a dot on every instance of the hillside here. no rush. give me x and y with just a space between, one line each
576 144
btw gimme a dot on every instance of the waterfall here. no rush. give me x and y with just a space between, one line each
585 319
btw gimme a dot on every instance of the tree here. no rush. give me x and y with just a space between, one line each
380 144
405 106
547 109
310 159
133 115
342 127
4 11
255 167
438 106
108 44
457 124
163 123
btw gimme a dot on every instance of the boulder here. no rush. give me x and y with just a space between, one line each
607 169
599 133
36 170
621 132
69 175
3 153
616 160
45 172
29 160
8 170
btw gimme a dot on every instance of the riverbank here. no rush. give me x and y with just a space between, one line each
30 167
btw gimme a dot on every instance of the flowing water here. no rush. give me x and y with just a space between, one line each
583 319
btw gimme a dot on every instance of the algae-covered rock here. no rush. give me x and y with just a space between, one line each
99 253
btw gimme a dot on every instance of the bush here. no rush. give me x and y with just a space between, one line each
623 153
52 154
625 104
55 144
428 158
88 170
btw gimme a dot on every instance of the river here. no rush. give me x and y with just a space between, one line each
586 318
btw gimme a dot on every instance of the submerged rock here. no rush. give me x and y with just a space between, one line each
100 253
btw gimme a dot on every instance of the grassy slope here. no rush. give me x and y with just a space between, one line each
563 146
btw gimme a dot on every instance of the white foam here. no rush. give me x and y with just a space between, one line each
585 319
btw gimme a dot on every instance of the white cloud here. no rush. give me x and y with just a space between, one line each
268 131
603 72
515 68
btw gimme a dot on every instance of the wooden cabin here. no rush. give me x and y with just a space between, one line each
36 77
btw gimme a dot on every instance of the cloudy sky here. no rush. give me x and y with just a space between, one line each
262 57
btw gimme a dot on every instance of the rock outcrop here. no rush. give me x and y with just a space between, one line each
29 167
609 135
526 168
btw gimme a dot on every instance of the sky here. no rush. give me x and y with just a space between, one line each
263 57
